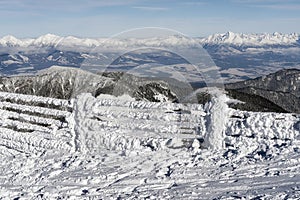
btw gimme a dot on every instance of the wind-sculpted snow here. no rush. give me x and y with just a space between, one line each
118 148
121 124
31 124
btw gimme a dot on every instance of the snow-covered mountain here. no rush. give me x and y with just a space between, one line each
66 82
239 39
281 88
50 40
57 82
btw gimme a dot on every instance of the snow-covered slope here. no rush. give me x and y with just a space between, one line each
118 148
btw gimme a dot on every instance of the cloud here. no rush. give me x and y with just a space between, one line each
281 6
67 5
148 8
271 4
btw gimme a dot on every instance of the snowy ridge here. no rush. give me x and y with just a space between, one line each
50 40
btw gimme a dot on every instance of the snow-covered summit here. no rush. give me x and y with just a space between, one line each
10 40
46 40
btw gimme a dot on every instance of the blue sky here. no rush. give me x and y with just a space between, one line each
103 18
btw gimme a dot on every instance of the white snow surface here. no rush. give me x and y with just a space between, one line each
118 148
172 40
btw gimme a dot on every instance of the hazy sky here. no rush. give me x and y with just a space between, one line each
103 18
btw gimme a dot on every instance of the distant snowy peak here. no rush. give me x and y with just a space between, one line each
230 38
252 39
47 40
10 41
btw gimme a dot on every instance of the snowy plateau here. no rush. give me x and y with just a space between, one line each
70 133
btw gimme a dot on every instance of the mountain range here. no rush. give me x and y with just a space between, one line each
50 40
259 69
238 57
